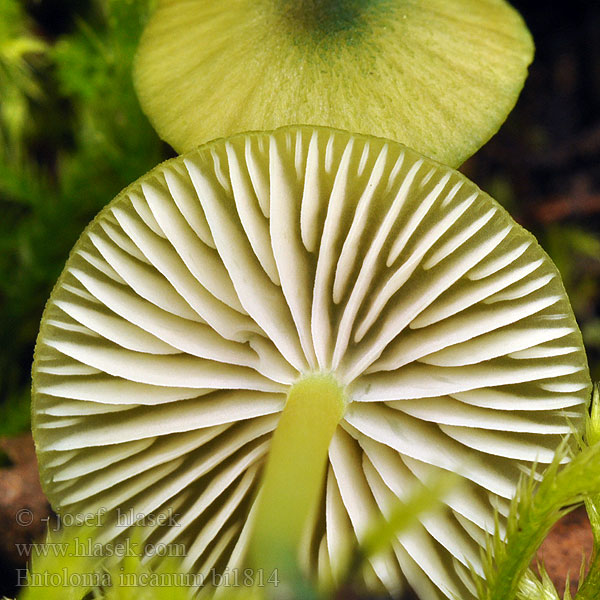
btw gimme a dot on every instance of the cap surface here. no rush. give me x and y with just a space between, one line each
437 75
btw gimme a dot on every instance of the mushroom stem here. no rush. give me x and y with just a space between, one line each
295 471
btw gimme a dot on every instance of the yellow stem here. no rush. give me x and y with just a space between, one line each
294 474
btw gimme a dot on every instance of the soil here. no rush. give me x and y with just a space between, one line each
569 543
24 510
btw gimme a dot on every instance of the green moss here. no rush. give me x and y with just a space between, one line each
71 136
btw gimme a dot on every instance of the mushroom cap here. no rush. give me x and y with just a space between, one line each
206 289
437 75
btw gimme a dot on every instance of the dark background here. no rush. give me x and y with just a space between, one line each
544 164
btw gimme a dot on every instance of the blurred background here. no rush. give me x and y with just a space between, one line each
72 136
544 163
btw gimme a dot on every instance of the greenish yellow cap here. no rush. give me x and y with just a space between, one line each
437 75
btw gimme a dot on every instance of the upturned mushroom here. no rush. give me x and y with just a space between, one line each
437 75
353 315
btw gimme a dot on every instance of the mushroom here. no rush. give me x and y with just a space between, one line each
315 279
437 75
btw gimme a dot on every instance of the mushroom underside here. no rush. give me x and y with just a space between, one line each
200 295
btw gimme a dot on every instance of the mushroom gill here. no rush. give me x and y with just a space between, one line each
206 290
